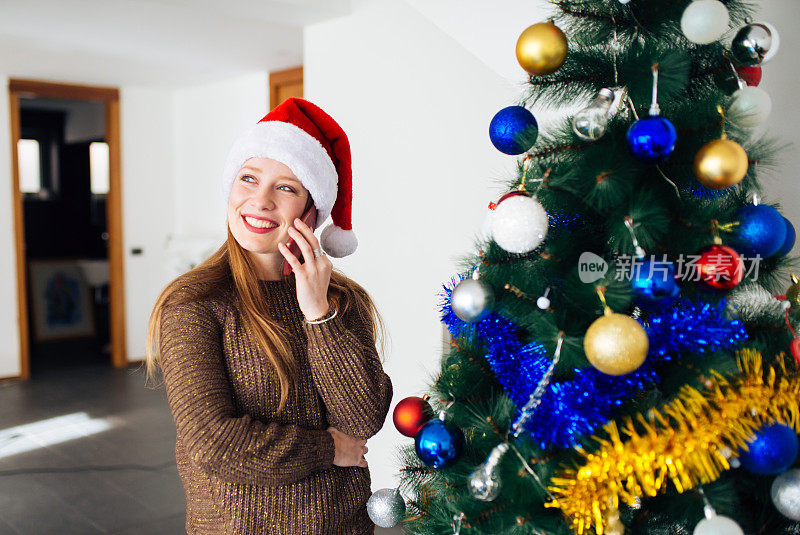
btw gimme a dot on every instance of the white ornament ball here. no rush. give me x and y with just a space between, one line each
718 525
704 21
543 303
785 494
519 224
751 106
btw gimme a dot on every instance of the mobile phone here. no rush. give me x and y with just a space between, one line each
310 219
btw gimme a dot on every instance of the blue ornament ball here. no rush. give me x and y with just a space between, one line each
761 230
438 444
772 451
788 243
653 284
652 139
513 130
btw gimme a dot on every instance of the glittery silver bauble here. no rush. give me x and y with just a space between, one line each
786 494
519 224
752 303
472 300
386 507
484 483
755 43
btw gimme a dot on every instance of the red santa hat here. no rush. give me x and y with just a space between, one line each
303 137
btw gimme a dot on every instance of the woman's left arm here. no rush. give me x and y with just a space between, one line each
349 375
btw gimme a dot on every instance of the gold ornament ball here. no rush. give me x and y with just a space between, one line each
720 164
615 344
542 48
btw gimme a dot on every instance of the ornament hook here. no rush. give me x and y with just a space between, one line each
637 248
457 519
654 108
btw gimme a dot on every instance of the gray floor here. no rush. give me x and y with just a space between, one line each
52 489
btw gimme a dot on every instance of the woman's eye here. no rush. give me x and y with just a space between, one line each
290 188
247 176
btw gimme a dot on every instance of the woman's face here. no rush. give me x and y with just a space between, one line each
265 199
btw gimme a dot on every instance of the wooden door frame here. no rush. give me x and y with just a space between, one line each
293 75
110 96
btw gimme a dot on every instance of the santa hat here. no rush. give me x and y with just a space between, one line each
303 137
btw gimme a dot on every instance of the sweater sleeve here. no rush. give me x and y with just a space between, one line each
237 449
348 374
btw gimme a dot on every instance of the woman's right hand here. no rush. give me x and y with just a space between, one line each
349 450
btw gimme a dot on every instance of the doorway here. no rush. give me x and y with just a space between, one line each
67 224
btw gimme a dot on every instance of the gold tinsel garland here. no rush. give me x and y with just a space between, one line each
687 442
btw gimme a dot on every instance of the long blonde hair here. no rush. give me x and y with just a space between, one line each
230 266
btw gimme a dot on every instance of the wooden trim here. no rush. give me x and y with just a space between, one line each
19 241
110 95
116 250
279 78
42 89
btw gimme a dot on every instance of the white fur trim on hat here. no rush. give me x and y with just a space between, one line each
293 147
338 242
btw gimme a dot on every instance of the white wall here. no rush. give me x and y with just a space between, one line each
9 318
781 81
416 107
207 119
148 197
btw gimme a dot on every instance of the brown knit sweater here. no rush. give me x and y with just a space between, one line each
246 469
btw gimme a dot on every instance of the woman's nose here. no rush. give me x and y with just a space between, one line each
265 201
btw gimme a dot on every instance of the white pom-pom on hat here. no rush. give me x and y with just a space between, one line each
338 242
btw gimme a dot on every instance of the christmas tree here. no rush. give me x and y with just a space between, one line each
622 359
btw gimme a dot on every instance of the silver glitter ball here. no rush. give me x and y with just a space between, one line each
786 494
386 507
752 303
472 300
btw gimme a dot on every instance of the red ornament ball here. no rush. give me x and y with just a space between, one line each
411 414
720 267
796 350
750 75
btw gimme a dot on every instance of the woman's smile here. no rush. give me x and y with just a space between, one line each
258 225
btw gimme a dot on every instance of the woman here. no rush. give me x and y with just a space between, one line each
274 381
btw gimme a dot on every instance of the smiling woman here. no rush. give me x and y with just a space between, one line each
234 338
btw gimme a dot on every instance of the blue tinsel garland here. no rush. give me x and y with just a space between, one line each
688 326
577 407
